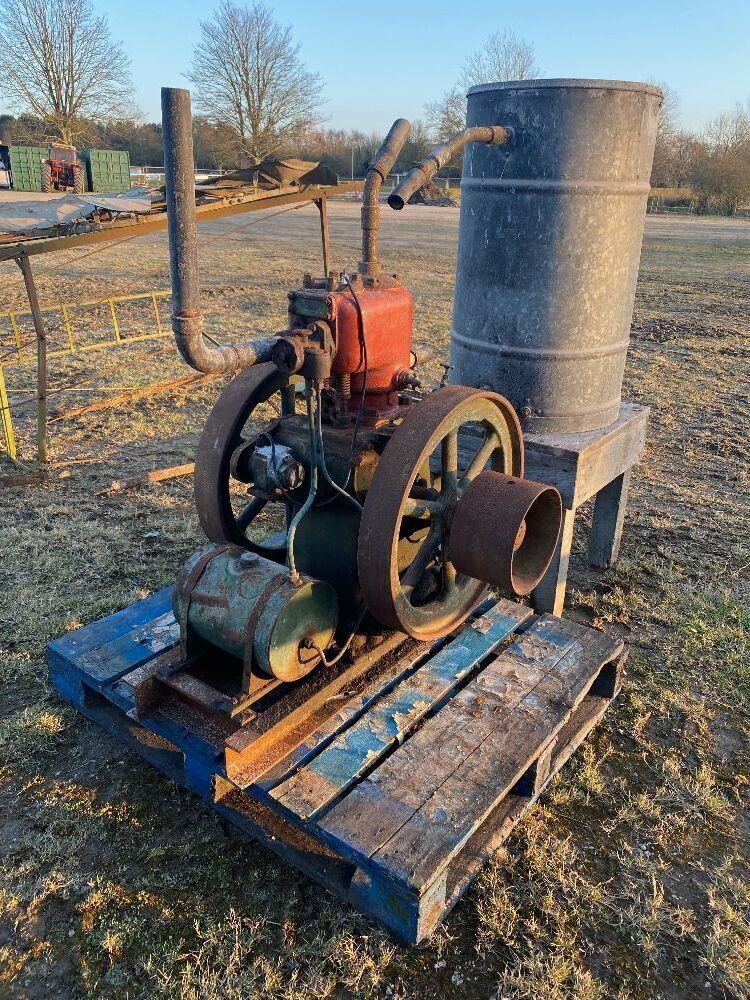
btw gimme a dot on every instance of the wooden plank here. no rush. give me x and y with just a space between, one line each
579 465
381 804
436 832
548 597
249 754
132 649
358 749
91 636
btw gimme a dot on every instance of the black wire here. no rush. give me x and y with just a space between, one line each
363 350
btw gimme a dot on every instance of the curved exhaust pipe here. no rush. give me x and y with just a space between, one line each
425 170
187 318
379 168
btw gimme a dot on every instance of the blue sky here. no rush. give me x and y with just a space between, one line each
414 49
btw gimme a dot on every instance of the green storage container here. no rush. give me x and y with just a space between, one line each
26 167
108 170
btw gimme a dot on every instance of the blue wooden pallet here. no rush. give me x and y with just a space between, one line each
391 794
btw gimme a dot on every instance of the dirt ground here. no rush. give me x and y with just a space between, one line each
629 879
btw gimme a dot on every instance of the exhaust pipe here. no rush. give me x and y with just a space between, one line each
425 170
378 170
187 318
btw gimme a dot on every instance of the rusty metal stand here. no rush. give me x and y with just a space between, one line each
322 206
593 464
41 348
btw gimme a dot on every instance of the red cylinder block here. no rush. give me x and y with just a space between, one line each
388 315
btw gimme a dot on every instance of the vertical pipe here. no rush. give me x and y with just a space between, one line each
179 176
378 170
41 357
322 206
187 319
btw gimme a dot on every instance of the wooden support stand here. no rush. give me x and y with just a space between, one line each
593 464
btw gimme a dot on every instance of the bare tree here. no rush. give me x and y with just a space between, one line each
248 75
722 171
58 62
504 56
664 169
446 116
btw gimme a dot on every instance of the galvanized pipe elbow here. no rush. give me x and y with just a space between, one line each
425 170
379 168
187 318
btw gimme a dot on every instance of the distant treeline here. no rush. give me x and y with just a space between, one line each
712 169
216 148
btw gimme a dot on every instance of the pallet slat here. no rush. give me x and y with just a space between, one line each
359 747
449 817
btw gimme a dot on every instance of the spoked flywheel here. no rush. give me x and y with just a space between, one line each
408 580
226 511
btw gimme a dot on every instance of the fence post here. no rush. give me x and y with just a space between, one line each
41 356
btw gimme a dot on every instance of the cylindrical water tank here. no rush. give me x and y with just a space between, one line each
549 243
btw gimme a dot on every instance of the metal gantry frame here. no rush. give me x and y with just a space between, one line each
21 253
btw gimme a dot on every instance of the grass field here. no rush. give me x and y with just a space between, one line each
628 880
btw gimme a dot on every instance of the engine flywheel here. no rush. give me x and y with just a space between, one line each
229 426
408 580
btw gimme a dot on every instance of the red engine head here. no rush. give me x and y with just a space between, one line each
380 342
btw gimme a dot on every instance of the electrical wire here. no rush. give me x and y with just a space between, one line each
309 644
294 575
322 458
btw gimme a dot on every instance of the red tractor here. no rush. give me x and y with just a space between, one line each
62 171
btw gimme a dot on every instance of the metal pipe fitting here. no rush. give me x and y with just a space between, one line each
187 318
425 170
379 168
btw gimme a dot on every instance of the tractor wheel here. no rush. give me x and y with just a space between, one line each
47 185
79 180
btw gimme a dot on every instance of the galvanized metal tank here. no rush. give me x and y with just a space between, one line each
549 244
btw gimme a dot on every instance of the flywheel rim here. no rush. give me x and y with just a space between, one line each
221 435
433 422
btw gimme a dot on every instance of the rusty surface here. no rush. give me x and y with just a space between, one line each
423 172
505 530
187 318
405 528
380 166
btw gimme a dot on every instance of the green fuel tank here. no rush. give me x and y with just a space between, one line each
235 586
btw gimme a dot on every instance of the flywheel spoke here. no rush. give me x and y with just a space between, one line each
482 457
425 553
413 507
449 576
449 464
250 512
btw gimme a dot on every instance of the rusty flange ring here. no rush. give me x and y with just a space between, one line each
221 436
505 531
408 498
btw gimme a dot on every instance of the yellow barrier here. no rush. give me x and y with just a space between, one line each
23 356
65 308
5 418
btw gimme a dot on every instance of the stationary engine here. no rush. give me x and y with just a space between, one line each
343 502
